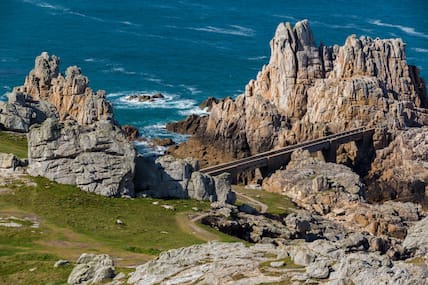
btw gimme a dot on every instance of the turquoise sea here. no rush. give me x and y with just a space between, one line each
188 49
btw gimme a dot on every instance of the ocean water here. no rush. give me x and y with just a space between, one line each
189 49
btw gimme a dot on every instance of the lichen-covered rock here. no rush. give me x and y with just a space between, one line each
70 95
97 158
92 269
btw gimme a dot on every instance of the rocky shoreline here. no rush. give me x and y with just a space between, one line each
361 220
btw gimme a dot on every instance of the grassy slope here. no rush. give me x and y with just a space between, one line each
73 222
13 143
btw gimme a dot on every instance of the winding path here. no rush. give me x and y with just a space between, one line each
263 207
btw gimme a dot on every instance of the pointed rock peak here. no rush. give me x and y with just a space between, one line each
304 33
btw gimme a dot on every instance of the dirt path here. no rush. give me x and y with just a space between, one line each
190 225
261 206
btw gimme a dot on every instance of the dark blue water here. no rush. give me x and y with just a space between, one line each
187 50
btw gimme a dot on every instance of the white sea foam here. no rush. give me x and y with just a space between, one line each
158 130
343 26
192 89
119 69
285 17
422 50
127 23
408 30
194 111
262 57
232 30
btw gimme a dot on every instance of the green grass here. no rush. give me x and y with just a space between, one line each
146 226
73 222
13 143
277 204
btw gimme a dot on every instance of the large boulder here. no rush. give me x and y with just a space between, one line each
92 269
21 111
316 185
97 158
10 163
172 177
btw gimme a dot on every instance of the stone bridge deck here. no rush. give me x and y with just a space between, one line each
274 159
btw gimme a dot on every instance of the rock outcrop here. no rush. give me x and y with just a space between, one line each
400 171
211 263
315 185
416 240
92 269
97 158
307 91
9 163
70 94
170 177
21 111
320 262
72 136
336 193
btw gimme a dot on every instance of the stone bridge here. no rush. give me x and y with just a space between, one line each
274 159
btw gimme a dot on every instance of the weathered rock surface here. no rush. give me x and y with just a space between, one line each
321 262
315 185
21 111
92 269
70 94
307 91
416 240
172 177
9 163
97 158
335 192
400 171
131 132
211 263
246 223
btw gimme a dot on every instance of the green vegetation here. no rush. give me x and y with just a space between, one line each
277 204
13 143
73 222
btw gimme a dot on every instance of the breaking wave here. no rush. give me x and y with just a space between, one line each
408 30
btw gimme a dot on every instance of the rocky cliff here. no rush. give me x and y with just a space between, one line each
70 94
97 158
72 136
309 90
400 171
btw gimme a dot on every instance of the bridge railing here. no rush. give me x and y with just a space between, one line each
282 151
